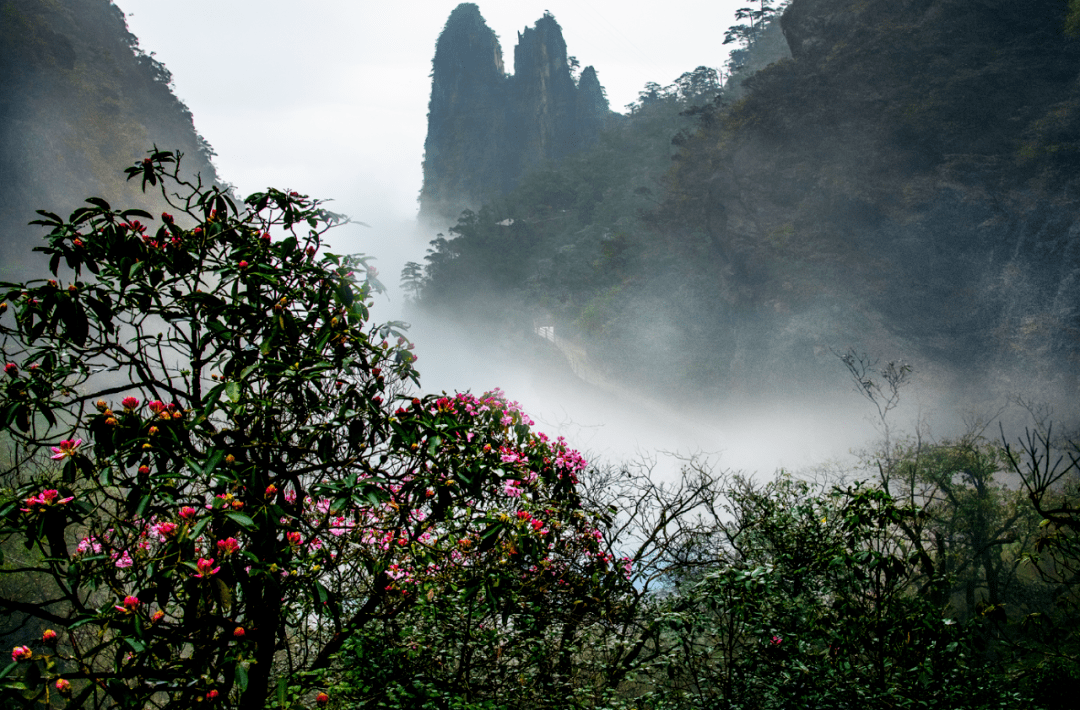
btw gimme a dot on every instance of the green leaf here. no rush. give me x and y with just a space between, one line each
53 218
241 677
232 390
240 519
197 530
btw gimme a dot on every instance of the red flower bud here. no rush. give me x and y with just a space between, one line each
322 699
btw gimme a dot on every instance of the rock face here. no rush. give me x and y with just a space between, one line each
486 128
79 101
906 182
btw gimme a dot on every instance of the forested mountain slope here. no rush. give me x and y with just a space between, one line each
78 101
905 184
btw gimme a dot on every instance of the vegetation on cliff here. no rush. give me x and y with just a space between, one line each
905 181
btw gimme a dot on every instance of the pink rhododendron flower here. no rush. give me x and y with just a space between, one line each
164 530
187 512
294 538
206 568
11 369
63 686
130 605
21 653
238 632
228 546
67 448
512 489
45 500
322 699
157 616
129 403
49 637
124 560
88 544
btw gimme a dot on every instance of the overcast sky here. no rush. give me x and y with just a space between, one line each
330 96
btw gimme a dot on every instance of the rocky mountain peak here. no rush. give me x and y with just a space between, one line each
487 129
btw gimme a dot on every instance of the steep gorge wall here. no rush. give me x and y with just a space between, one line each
486 128
79 101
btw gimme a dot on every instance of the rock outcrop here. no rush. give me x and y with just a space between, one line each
486 128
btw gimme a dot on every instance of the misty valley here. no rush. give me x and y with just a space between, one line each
758 392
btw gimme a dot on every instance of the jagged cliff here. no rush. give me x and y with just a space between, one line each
486 128
78 102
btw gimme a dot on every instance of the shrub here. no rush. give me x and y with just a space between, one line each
216 475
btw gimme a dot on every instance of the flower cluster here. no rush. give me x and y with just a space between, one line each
66 448
49 498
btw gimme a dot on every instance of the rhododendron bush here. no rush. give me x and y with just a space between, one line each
216 472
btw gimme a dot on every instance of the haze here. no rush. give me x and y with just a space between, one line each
330 98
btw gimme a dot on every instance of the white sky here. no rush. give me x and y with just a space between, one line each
329 97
